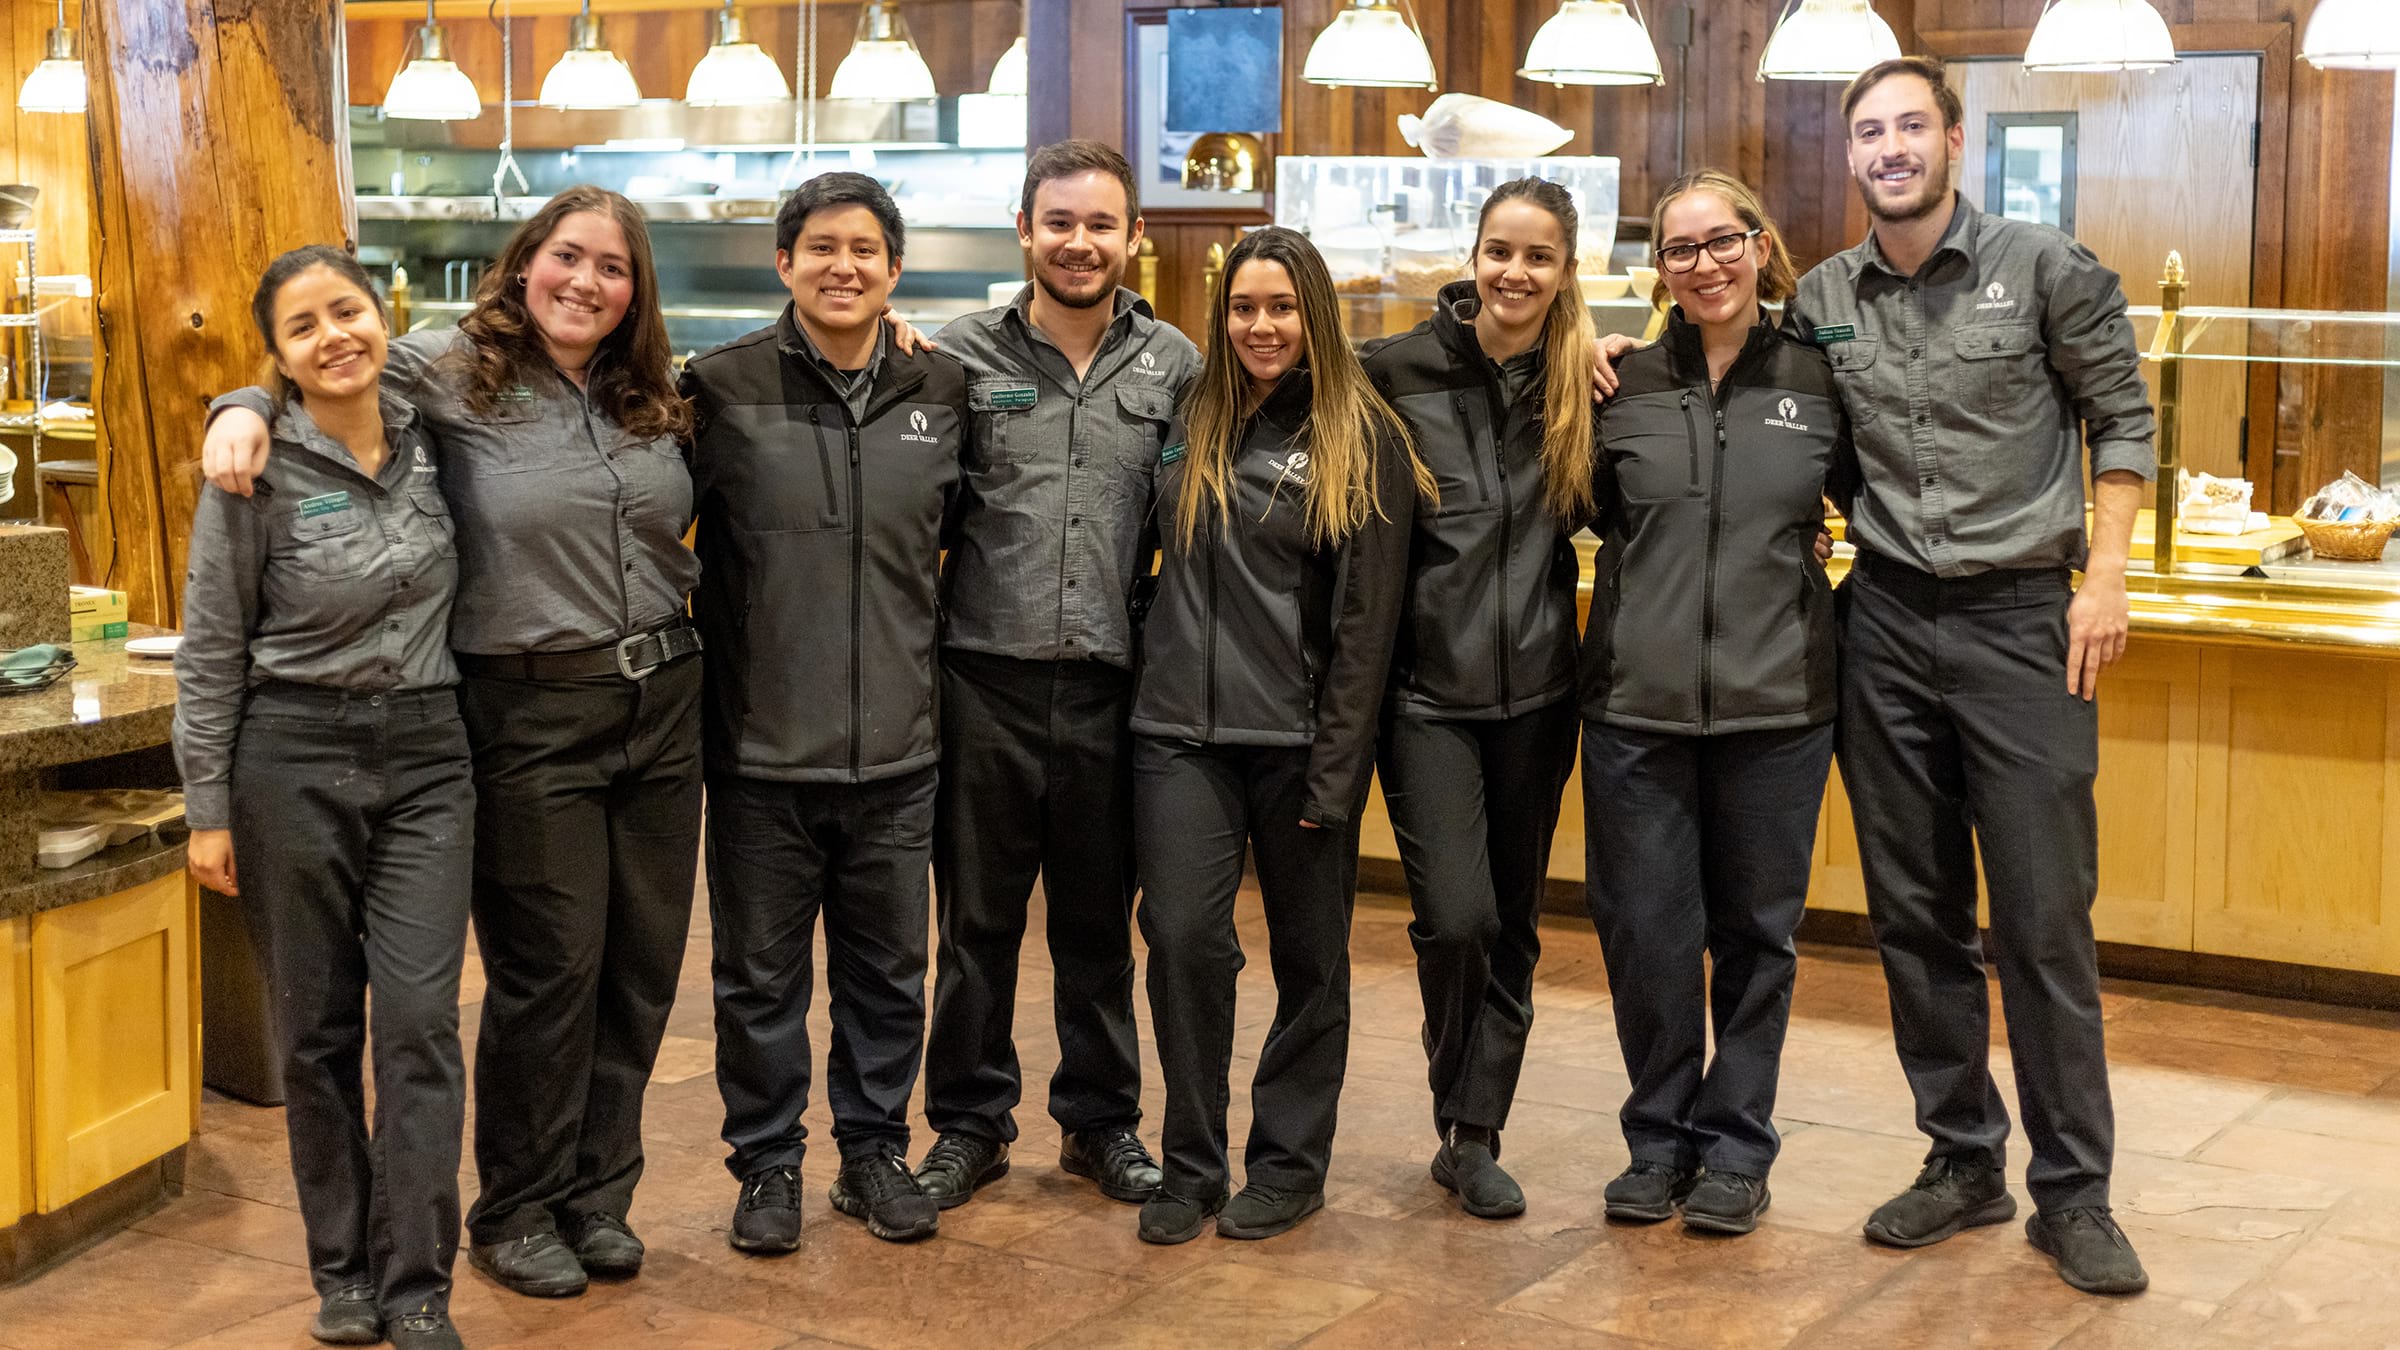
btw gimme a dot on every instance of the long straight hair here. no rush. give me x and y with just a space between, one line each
1345 414
1567 344
632 376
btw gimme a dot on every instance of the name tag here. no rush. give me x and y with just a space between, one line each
1003 398
324 506
1171 453
1843 333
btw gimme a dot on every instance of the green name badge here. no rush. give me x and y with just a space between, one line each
1844 333
325 505
1171 453
1014 400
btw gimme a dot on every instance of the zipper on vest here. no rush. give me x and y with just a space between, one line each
858 582
1208 654
1691 423
1708 588
1500 610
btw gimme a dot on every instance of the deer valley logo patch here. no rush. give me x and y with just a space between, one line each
1292 469
1785 412
1149 362
1146 366
917 423
424 463
1997 298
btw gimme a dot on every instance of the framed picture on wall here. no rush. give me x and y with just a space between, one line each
1157 153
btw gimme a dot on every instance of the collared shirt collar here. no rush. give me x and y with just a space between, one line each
796 340
1959 238
293 424
1127 301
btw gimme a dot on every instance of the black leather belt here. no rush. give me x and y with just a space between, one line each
634 658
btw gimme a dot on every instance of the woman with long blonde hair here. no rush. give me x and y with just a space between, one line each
1480 736
1284 507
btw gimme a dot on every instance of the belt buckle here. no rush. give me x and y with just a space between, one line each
625 666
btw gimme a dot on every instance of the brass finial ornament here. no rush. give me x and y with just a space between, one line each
2175 274
1226 161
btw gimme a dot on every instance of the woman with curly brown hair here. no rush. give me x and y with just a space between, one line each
554 409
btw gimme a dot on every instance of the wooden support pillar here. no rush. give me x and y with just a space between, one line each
220 138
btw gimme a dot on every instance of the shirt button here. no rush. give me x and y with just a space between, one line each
1079 464
1074 520
1070 583
1923 418
629 569
1916 353
376 701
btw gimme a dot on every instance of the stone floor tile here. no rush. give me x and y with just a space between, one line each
138 1290
1464 1263
2244 1063
2292 1152
1221 1306
2334 1292
232 1224
2017 1299
1399 1322
2345 1118
1663 1284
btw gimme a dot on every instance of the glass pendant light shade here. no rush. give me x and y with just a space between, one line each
589 75
432 88
1008 73
1372 45
56 85
2099 35
735 70
1831 40
2353 35
884 64
1593 42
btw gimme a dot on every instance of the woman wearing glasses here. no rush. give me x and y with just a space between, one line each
1708 702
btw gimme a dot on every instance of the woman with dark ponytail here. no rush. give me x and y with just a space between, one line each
1479 732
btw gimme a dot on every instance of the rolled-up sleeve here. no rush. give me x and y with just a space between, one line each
212 665
2092 349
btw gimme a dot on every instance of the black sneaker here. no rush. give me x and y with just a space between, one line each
1263 1211
425 1331
1114 1160
879 1189
958 1165
537 1266
1648 1192
1725 1202
2091 1251
348 1316
606 1248
1468 1166
1168 1218
767 1216
1951 1194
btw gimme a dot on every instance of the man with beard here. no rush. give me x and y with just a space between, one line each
1071 387
1976 357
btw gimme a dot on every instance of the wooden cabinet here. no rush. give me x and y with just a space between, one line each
16 1054
111 1064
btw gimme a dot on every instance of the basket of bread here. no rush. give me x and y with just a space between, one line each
2349 520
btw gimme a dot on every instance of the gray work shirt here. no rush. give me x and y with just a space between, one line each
322 576
1972 387
1058 481
857 387
570 531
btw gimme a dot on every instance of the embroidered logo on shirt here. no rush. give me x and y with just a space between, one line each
1293 470
325 505
1149 362
917 420
1790 410
918 423
424 462
1999 298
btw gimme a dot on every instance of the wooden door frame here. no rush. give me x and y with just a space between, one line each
2272 44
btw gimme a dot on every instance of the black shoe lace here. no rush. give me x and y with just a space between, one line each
953 1153
1643 1167
1272 1196
1121 1151
2090 1216
773 1188
881 1180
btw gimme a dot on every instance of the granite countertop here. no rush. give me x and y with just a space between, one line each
110 703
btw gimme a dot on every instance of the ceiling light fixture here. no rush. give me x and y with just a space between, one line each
2353 35
589 75
1593 42
1370 45
57 84
735 70
884 64
432 88
1831 40
2099 35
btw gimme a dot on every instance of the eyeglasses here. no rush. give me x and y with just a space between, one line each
1724 248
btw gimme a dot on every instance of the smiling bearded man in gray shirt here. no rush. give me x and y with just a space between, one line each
1977 357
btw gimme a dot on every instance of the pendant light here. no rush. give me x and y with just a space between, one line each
2099 35
432 88
1593 42
1834 40
1008 73
589 75
57 84
1372 45
884 63
2353 35
736 70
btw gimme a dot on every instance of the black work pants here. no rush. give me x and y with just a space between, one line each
1037 779
351 819
1957 731
1698 851
779 855
1196 807
587 836
1473 805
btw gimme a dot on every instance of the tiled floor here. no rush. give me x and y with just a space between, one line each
2258 1171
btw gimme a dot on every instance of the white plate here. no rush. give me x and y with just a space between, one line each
154 646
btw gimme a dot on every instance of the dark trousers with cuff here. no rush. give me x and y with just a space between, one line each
352 815
1473 806
1698 852
587 837
1957 731
1037 780
1196 808
779 855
